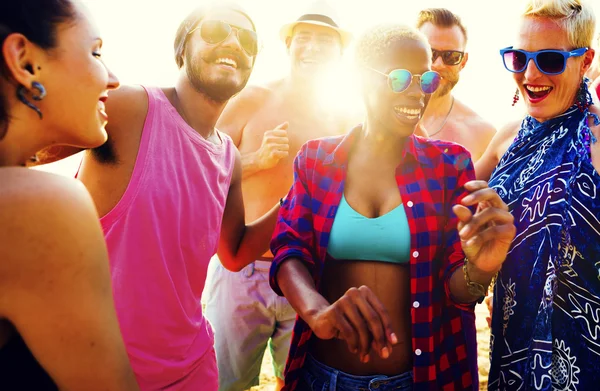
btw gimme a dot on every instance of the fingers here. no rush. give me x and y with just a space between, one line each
276 133
476 185
374 322
463 213
389 337
482 221
345 332
369 320
283 125
359 340
500 233
276 137
485 194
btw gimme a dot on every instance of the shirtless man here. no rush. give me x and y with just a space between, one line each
447 118
269 124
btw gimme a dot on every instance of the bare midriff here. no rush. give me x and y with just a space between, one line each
390 282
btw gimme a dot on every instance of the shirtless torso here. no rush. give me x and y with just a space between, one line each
259 109
463 126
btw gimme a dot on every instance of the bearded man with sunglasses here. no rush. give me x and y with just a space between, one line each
447 118
269 123
168 185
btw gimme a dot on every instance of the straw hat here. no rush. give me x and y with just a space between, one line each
320 14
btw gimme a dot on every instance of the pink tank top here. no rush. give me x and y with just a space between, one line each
161 236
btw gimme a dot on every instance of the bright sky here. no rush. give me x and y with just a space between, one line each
138 41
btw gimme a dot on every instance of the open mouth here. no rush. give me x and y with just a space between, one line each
537 93
408 113
102 105
227 62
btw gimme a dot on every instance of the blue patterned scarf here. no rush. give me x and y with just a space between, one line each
537 177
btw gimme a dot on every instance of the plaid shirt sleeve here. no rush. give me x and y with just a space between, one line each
293 236
453 253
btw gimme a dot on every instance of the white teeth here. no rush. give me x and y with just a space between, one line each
406 110
227 61
538 89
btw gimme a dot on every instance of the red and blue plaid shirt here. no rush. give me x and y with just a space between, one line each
430 179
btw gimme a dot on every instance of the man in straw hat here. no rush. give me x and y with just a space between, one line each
269 124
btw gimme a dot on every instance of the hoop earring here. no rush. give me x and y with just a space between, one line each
41 94
516 97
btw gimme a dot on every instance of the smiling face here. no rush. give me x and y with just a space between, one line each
398 112
547 96
445 38
313 48
219 70
77 83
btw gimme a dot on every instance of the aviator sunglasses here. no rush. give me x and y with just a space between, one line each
217 31
400 79
449 57
549 62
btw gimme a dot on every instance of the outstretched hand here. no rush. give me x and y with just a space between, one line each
485 236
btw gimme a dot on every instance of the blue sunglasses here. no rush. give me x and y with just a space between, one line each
400 79
549 62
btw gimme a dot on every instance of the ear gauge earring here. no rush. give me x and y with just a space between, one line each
41 94
516 97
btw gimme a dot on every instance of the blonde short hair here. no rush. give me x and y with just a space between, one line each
575 16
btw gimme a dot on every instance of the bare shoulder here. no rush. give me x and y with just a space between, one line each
474 120
241 108
496 148
47 222
507 132
127 100
126 108
253 96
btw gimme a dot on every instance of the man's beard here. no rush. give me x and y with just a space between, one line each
450 81
219 91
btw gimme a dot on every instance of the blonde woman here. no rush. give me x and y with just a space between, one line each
547 296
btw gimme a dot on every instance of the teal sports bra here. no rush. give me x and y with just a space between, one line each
356 237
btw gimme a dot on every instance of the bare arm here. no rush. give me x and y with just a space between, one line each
496 148
55 283
486 132
240 243
358 317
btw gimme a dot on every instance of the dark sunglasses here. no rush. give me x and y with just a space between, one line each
400 79
549 62
217 31
449 57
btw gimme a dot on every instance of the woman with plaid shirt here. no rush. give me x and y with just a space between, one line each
367 246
